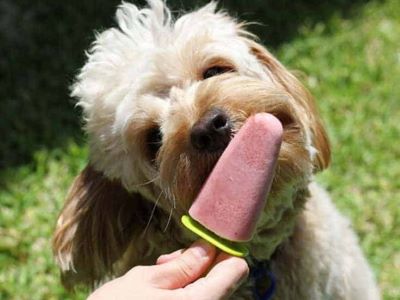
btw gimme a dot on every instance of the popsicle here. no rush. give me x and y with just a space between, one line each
229 204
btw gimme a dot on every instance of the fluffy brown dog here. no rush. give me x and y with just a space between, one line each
145 88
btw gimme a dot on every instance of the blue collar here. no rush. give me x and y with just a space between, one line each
260 273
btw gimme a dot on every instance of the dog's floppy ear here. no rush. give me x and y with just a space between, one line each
98 221
294 87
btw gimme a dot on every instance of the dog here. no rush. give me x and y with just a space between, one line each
146 86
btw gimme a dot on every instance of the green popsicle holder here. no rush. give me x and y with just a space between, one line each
232 248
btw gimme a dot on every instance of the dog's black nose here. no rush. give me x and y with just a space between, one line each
212 132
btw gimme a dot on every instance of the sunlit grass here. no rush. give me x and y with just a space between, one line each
353 69
31 198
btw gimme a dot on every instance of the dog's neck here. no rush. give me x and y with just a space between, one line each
277 222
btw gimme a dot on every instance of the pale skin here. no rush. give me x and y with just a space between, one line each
199 272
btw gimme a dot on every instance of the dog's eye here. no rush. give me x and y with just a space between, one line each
214 71
154 141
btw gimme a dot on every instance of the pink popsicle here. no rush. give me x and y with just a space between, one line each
235 193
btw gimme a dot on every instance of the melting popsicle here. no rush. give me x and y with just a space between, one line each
229 205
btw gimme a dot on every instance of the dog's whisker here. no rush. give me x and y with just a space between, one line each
173 207
151 214
146 182
167 192
169 218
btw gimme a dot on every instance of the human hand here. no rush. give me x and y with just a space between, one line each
179 276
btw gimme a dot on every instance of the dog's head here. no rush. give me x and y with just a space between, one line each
161 101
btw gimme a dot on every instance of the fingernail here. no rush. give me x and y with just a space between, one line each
201 248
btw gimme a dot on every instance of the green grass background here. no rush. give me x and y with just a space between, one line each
347 51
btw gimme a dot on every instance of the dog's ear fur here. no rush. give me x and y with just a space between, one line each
294 87
98 221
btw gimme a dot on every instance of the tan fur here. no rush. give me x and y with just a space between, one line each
97 221
124 208
295 88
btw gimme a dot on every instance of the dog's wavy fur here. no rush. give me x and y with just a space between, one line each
124 207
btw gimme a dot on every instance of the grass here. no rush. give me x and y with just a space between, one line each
352 66
31 199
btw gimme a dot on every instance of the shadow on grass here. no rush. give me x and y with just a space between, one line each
42 47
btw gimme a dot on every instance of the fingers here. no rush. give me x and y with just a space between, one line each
168 257
185 268
221 281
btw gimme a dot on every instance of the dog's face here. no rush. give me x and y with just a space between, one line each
162 100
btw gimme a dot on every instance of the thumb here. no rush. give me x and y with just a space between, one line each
221 281
184 269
